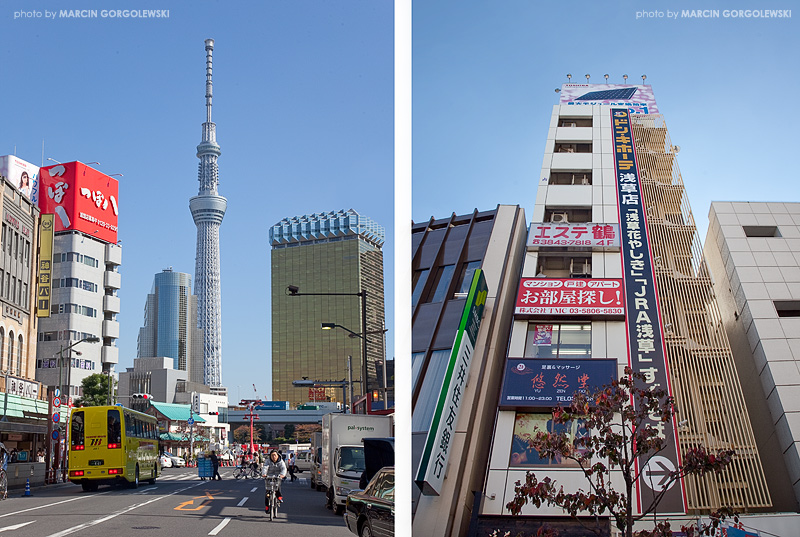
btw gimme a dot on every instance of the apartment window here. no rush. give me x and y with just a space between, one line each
525 428
570 178
465 279
558 340
562 147
575 122
19 356
418 284
572 266
3 241
761 231
787 308
444 275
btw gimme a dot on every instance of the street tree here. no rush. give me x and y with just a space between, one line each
306 431
97 389
241 435
617 418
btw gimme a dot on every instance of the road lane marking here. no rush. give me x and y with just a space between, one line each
241 503
79 527
253 489
220 526
51 504
16 526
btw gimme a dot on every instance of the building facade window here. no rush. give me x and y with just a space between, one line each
525 428
558 340
10 351
570 178
19 356
429 394
465 278
418 284
2 349
441 283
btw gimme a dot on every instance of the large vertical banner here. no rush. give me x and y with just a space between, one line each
433 464
646 352
45 268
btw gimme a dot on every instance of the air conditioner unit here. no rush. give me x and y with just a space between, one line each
580 268
559 218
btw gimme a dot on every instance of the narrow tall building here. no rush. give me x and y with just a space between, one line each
208 210
325 255
170 325
613 275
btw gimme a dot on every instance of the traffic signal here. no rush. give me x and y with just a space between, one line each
144 396
213 413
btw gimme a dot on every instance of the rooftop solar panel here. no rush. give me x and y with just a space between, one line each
607 95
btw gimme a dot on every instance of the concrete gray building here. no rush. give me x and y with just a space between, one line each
157 376
753 252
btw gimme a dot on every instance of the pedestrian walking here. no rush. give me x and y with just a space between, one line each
215 466
291 466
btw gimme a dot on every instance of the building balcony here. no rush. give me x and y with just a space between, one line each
113 254
111 329
112 279
574 134
571 161
111 304
109 355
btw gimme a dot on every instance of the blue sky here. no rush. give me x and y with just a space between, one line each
303 102
484 75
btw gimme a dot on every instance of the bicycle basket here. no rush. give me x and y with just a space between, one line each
271 483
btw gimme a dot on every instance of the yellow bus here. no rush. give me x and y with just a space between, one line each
112 445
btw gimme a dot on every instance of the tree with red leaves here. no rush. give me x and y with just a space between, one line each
617 417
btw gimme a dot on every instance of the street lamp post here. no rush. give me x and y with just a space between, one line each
293 290
90 339
331 326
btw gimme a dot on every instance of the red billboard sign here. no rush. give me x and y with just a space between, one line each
570 296
82 199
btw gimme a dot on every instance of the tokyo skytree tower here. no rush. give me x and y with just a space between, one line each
208 209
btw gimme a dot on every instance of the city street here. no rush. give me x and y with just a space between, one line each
178 505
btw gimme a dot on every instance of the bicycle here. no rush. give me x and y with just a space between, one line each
239 472
271 500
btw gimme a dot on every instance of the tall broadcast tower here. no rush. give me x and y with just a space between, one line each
208 209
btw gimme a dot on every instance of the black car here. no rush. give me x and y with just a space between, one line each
370 512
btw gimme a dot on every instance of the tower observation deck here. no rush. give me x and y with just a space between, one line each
208 210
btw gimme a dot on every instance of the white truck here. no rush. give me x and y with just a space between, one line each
343 452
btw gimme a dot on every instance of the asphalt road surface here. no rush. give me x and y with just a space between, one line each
178 505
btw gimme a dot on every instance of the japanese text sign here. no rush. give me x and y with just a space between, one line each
436 453
569 296
548 382
590 235
646 350
82 198
45 268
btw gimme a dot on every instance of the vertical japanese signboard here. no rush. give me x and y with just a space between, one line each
45 269
433 464
646 350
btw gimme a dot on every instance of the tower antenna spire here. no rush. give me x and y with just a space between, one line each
209 72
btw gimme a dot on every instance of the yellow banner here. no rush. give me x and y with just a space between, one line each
43 283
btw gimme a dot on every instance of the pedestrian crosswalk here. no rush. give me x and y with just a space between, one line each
192 476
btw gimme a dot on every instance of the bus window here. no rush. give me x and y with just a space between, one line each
77 431
114 429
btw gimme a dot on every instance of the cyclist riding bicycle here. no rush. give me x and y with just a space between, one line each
274 467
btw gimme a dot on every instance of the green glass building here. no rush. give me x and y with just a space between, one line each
333 252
